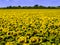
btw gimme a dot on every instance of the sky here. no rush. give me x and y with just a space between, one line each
4 3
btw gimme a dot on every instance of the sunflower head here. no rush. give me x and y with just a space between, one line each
9 43
33 40
23 27
21 39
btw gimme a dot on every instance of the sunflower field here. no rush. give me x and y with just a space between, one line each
29 27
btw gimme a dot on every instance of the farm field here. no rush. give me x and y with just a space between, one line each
30 27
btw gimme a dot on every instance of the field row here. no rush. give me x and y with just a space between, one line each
29 28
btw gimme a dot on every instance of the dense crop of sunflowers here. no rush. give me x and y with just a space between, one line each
29 27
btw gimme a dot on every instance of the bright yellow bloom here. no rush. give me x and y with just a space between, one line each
9 43
25 44
5 30
35 40
21 39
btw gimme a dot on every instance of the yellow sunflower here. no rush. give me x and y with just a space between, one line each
35 40
10 43
21 39
24 27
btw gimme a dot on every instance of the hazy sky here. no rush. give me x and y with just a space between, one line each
29 2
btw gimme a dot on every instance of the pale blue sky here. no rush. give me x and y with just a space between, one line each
4 3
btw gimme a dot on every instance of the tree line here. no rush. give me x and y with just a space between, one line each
31 7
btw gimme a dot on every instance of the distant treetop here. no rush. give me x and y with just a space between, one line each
31 7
